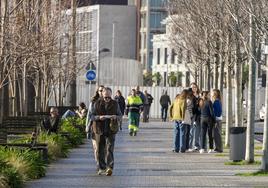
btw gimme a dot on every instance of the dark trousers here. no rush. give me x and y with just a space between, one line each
164 110
187 136
105 151
206 126
146 110
217 136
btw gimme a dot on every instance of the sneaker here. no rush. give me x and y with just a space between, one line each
210 151
109 172
130 133
101 172
201 151
135 133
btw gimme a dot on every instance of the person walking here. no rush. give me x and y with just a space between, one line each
122 104
188 119
89 122
164 102
133 110
105 115
146 106
177 114
207 121
196 127
217 129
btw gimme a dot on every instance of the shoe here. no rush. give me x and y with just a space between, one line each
101 172
201 151
218 151
210 151
135 133
130 133
109 172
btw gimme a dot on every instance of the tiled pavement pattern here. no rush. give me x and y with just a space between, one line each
147 161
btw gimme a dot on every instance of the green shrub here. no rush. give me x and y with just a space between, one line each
28 164
9 176
77 134
57 146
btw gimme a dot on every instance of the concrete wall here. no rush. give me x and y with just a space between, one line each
124 18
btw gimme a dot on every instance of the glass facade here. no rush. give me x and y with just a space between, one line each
157 3
156 19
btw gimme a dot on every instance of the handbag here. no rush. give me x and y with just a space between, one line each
114 126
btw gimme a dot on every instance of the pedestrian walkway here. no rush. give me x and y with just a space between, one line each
147 161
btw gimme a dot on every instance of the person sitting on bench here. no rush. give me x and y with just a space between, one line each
51 123
81 112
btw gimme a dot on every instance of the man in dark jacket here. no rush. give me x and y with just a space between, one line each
164 102
105 116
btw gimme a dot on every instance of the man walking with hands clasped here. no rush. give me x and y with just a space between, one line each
105 116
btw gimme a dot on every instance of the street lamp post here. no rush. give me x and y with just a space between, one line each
98 63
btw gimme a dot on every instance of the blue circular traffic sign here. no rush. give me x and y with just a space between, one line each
91 75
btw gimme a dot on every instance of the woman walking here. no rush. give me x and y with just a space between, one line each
89 131
196 127
217 107
122 105
177 114
207 121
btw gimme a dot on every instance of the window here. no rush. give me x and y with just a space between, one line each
180 56
158 56
165 79
156 19
157 3
173 56
165 56
188 56
187 79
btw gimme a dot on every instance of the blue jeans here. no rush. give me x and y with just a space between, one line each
179 137
67 114
195 133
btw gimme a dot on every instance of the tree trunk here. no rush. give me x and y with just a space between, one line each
73 56
264 162
251 94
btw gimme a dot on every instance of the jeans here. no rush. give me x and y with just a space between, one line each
179 137
196 134
206 126
67 114
187 136
164 110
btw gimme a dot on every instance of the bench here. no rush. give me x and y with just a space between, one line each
16 127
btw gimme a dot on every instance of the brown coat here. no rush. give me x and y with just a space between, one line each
102 108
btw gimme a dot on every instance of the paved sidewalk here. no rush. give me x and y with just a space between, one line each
147 161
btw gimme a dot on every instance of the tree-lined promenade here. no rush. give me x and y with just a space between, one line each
224 40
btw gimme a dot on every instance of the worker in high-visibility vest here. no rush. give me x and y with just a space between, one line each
134 107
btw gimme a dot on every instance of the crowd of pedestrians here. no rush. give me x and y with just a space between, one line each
197 115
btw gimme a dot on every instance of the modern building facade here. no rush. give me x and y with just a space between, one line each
150 13
103 31
168 61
